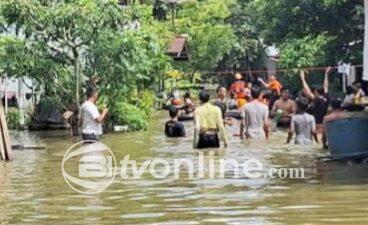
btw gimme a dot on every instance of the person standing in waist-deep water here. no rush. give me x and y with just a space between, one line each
173 128
354 99
222 102
319 99
90 119
302 124
254 117
209 125
337 114
239 87
189 106
283 109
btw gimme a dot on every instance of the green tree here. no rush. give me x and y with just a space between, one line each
339 21
248 50
65 30
61 44
210 36
305 52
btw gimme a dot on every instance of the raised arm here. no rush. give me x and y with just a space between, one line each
325 81
102 117
306 89
263 82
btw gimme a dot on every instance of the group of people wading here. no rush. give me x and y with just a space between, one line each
305 116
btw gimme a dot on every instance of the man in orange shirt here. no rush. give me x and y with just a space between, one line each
273 84
239 87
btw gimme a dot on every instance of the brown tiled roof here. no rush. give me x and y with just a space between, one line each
177 45
178 48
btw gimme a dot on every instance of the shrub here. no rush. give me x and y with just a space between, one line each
131 115
13 118
146 102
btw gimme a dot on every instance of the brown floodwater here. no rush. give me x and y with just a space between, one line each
33 191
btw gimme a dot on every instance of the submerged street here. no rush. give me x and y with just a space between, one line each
33 191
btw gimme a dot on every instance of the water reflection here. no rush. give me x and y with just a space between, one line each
32 189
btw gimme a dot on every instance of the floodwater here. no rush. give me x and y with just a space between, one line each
33 191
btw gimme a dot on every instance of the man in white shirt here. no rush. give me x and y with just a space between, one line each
91 119
303 125
254 118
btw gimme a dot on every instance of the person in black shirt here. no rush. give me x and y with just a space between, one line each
319 106
222 103
221 100
319 99
173 128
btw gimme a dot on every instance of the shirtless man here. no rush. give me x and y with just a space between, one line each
286 106
337 114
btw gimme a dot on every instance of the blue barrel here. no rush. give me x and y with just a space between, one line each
348 137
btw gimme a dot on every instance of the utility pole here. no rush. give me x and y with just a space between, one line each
365 66
173 11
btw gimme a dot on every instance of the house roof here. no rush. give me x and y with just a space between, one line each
178 48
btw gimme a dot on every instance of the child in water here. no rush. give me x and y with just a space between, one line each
173 128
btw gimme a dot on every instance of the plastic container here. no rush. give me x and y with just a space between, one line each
348 137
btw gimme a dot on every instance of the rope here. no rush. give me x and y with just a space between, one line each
281 70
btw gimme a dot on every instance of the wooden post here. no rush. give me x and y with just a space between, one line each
344 81
5 145
2 150
6 94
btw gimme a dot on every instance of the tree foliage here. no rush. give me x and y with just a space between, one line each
60 44
247 50
210 36
338 22
63 43
305 52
